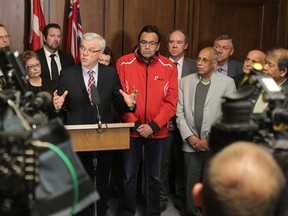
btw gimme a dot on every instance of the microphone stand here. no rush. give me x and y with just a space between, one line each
94 172
95 161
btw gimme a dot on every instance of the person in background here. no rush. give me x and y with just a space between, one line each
32 64
52 59
199 106
107 57
155 77
225 49
253 56
4 42
177 44
275 66
243 179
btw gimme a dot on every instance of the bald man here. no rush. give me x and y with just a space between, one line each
241 180
254 56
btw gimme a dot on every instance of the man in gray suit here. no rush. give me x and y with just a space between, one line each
199 106
225 48
173 155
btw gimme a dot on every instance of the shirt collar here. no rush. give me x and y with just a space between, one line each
95 69
47 53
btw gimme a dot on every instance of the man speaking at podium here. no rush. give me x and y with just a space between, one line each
74 102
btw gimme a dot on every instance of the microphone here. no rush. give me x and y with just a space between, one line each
39 101
96 102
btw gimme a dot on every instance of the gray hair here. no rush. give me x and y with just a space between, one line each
94 36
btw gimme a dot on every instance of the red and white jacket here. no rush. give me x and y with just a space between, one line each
157 86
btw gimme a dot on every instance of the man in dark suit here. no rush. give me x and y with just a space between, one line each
74 86
50 53
173 154
225 48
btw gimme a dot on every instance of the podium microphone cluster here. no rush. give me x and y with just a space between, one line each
96 102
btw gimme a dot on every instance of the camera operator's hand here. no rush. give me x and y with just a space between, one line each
58 100
193 141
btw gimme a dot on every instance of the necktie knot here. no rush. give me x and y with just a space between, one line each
220 70
91 72
52 56
176 63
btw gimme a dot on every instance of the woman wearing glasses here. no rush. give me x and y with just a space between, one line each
32 64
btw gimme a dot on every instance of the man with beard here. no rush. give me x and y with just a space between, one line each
52 59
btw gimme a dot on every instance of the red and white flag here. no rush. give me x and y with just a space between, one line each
74 32
37 25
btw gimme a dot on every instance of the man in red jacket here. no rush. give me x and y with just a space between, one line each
155 78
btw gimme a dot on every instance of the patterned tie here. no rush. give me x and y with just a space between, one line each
54 69
91 82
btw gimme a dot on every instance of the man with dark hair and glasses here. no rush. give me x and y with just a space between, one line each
4 42
225 49
73 98
199 106
155 78
52 59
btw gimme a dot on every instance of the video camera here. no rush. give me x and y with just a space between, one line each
34 151
239 123
269 129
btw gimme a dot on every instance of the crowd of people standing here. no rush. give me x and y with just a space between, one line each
172 100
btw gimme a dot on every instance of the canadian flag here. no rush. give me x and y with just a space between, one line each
74 32
37 25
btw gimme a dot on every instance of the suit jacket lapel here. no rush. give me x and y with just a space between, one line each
80 79
185 68
213 87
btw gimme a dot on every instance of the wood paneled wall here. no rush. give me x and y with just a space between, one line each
252 23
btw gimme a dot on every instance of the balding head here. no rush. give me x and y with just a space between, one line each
242 180
254 56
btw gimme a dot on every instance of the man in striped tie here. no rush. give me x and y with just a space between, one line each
73 99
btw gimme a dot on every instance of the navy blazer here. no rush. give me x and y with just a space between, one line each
189 66
234 68
78 109
65 59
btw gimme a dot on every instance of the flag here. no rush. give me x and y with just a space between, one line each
74 32
37 25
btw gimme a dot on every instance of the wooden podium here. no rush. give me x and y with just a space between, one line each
89 137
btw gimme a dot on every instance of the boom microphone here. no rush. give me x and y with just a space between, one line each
96 102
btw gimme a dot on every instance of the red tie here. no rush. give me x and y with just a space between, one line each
91 82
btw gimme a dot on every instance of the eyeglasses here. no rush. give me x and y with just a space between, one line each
204 60
151 43
6 37
35 66
89 51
